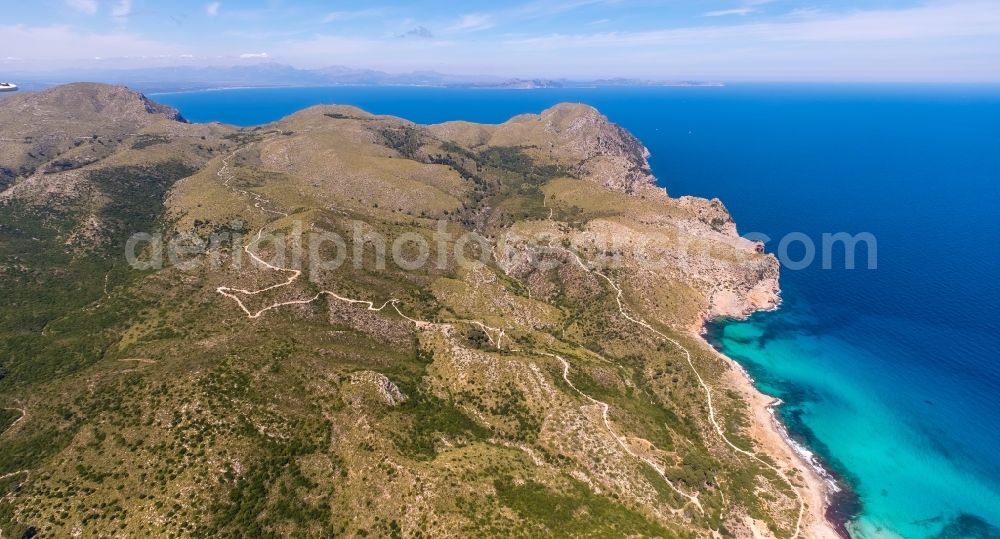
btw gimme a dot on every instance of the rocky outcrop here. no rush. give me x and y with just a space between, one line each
62 127
574 136
94 105
379 385
607 153
681 259
561 379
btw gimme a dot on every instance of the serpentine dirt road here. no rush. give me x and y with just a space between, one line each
495 336
708 391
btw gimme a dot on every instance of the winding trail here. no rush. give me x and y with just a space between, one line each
495 335
27 473
24 414
692 498
12 474
231 292
704 386
259 201
138 360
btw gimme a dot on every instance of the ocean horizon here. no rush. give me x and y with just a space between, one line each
888 374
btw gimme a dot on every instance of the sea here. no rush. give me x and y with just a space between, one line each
888 372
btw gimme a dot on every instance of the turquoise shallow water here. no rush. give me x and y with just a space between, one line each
895 448
890 374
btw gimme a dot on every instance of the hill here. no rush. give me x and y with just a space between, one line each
507 347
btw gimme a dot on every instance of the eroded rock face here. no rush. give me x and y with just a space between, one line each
748 288
685 264
380 384
98 104
73 125
605 152
573 136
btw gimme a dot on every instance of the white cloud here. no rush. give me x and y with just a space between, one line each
952 40
932 21
734 11
547 8
956 40
334 16
748 7
88 7
212 8
122 9
389 53
471 22
420 32
60 45
264 35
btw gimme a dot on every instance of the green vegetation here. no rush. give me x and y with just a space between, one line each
430 418
243 137
514 159
340 116
7 418
136 197
405 139
155 407
149 140
575 512
45 281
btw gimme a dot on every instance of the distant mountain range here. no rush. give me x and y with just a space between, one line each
166 79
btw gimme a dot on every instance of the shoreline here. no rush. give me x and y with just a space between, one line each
440 86
819 487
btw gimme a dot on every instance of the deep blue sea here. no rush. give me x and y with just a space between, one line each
891 374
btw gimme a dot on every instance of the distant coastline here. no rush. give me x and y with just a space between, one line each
512 86
811 342
272 75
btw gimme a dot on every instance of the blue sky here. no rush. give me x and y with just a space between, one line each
827 40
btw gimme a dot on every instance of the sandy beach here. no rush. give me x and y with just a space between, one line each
771 438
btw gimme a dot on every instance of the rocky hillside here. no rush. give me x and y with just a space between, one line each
553 386
69 125
575 137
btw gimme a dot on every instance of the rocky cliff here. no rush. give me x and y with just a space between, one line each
573 136
554 388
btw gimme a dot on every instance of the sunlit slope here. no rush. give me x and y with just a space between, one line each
552 388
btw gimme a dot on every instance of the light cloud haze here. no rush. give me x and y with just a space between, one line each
88 7
899 40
